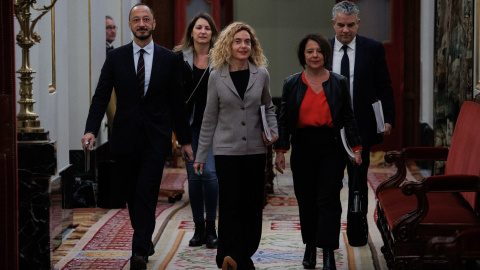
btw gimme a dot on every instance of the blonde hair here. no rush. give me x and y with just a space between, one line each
221 53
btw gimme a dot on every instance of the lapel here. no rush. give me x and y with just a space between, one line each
157 56
253 76
359 54
227 80
130 65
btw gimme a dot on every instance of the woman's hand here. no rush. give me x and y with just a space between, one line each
198 167
358 158
280 162
267 142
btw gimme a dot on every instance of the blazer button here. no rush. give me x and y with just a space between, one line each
243 123
243 138
243 108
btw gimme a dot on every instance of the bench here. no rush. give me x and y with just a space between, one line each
412 213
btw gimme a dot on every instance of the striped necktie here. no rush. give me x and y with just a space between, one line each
141 74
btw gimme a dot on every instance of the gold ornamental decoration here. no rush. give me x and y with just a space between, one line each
27 119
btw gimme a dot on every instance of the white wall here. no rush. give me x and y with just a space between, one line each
80 54
280 25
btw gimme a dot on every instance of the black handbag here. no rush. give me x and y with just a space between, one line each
357 225
83 186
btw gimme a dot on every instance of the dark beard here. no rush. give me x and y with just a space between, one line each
143 37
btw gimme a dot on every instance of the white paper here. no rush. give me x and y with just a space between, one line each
346 145
266 129
378 110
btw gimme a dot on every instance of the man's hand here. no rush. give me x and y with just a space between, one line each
388 129
280 162
90 138
187 152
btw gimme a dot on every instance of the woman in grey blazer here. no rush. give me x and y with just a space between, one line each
237 87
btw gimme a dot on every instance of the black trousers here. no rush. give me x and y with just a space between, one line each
141 177
362 184
318 162
241 191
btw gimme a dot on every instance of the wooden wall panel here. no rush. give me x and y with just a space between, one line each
8 143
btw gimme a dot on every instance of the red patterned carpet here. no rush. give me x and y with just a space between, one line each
102 239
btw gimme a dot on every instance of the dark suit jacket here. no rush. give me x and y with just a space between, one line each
371 81
161 110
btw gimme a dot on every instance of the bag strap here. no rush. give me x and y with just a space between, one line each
199 81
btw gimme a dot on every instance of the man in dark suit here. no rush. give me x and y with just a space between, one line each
362 61
150 105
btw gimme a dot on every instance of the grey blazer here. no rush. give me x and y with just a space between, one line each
235 125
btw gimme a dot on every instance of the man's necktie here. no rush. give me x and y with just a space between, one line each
345 65
141 74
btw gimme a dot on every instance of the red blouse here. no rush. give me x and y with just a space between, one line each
314 110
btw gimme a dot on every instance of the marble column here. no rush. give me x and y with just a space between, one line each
36 170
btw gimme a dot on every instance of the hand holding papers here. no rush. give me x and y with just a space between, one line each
346 145
378 110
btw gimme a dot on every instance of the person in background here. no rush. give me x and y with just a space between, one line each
199 38
362 61
315 105
110 32
237 87
147 79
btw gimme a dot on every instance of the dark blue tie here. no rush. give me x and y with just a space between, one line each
345 66
141 74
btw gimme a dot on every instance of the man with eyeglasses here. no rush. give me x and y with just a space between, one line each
110 31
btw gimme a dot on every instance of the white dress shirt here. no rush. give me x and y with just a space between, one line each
337 60
147 58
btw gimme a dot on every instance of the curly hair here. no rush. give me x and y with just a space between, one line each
222 50
187 40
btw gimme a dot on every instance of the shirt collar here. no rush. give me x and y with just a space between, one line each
352 45
148 49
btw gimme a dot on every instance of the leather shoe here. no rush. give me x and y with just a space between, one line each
229 263
329 259
151 251
310 257
138 262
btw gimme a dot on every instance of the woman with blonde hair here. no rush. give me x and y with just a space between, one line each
199 38
238 86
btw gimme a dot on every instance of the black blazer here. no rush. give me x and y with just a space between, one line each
371 81
338 99
161 111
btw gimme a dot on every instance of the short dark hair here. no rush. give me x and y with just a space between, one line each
141 4
324 46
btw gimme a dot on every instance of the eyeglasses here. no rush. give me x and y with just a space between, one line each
111 28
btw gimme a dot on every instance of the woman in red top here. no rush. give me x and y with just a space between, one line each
315 106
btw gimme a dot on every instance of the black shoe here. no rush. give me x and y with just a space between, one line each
199 236
329 259
211 239
138 262
151 250
310 257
